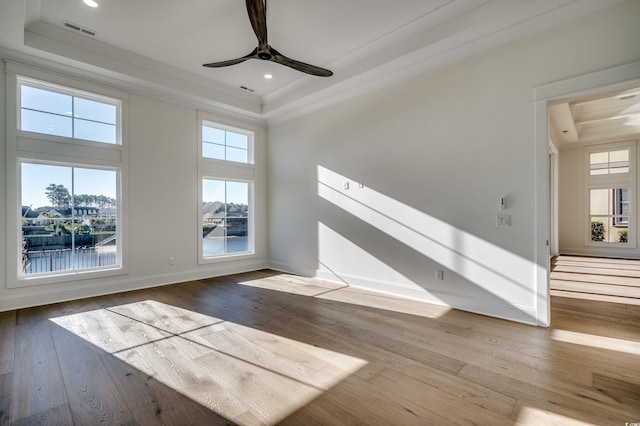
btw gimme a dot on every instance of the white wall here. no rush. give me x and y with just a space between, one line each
162 200
573 208
435 154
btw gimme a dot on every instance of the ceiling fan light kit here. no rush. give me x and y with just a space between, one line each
257 12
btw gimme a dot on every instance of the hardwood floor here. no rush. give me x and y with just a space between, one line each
270 348
596 287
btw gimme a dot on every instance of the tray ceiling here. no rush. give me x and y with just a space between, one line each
162 44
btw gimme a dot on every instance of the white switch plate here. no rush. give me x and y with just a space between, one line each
503 220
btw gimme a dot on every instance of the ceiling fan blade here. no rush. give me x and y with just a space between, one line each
252 55
258 16
297 65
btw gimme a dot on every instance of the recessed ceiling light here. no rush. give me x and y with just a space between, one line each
628 94
90 3
268 76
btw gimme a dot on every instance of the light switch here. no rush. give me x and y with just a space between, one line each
503 220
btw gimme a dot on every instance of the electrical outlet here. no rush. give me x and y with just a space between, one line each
172 261
439 275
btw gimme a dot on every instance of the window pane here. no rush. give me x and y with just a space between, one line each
45 186
95 111
210 134
599 163
236 154
238 193
95 188
43 122
600 201
210 150
45 100
237 140
46 245
93 131
237 216
610 229
213 217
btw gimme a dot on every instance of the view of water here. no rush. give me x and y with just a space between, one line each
212 246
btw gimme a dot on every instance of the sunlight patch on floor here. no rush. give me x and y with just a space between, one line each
344 293
600 342
230 368
536 416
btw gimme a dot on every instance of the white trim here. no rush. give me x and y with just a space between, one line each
523 314
554 169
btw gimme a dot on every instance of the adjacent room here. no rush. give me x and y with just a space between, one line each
297 212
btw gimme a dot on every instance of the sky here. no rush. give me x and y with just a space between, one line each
232 192
36 177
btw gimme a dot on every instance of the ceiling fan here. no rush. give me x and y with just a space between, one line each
257 11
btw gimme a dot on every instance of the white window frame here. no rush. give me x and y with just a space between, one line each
611 181
82 94
31 147
230 171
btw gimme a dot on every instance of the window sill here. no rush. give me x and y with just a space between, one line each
36 280
233 257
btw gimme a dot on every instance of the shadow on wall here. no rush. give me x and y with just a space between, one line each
374 238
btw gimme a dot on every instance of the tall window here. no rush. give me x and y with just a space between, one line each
225 217
226 192
610 185
67 154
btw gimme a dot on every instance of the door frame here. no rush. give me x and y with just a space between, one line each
615 78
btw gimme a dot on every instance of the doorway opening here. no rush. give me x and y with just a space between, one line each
593 193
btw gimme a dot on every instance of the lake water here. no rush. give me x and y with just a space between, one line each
213 246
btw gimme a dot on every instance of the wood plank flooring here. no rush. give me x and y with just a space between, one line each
267 348
591 286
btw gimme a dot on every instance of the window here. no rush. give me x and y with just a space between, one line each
59 112
225 217
221 144
66 172
609 162
227 174
69 218
610 186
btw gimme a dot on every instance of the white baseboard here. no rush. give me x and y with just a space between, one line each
523 314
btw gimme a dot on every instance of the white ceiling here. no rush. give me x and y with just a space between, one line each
161 44
610 116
